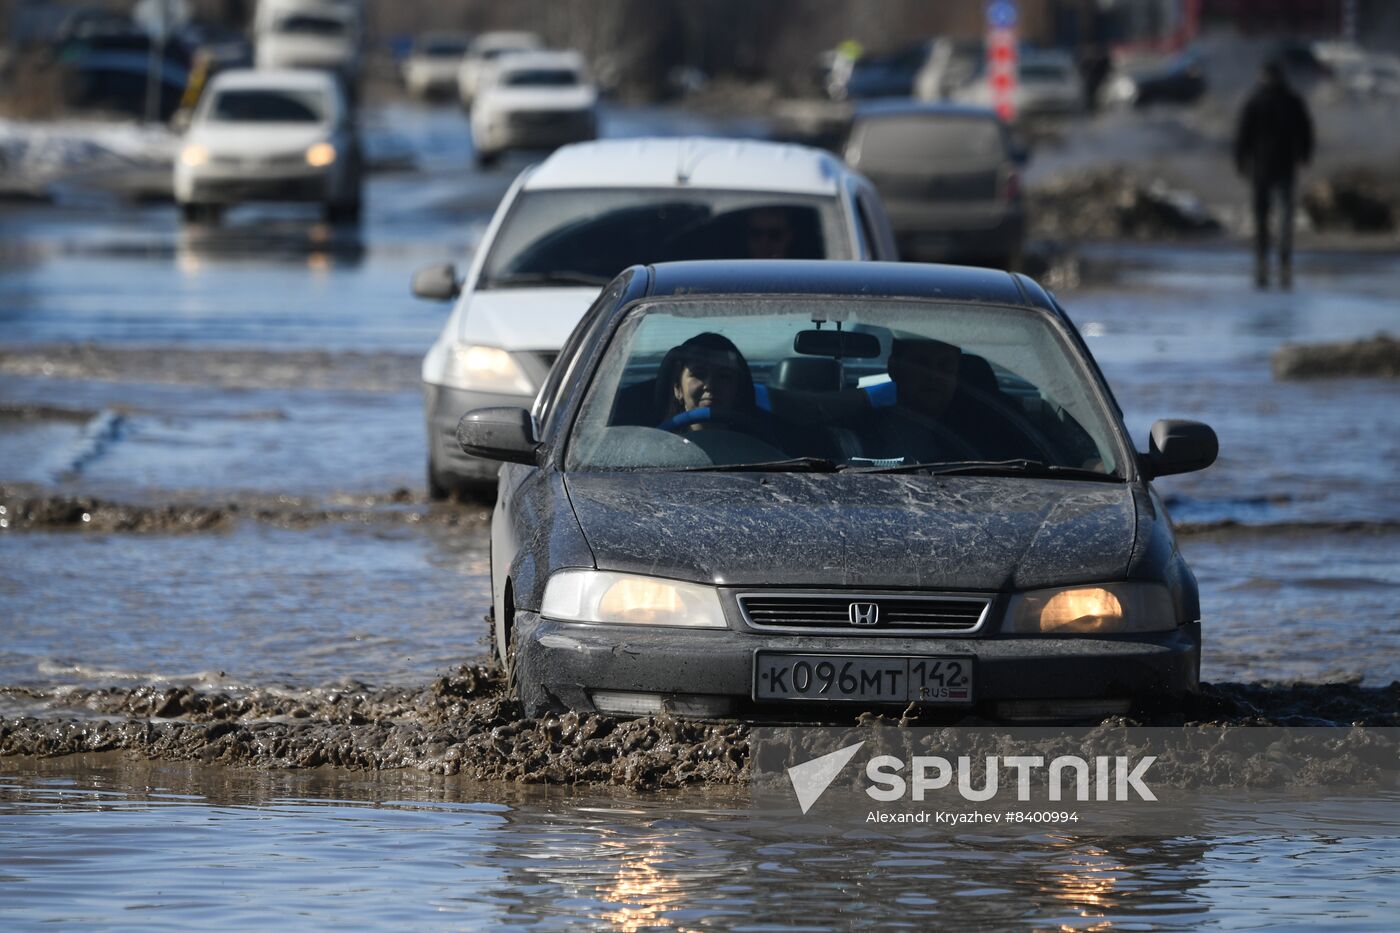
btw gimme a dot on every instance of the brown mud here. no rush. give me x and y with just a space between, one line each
1372 357
464 724
217 368
26 508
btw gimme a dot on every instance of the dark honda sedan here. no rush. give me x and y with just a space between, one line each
754 488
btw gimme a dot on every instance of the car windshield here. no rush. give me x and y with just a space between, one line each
541 77
303 25
806 383
576 237
269 106
1044 73
445 48
922 142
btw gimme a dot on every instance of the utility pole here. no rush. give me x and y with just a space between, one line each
155 63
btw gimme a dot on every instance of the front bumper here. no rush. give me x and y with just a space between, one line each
933 233
445 407
565 663
264 185
524 130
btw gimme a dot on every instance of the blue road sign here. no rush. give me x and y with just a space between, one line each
1001 14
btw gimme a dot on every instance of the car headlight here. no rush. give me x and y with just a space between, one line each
485 369
320 155
625 598
1110 609
194 155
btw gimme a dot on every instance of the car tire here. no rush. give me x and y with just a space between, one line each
201 213
348 213
437 492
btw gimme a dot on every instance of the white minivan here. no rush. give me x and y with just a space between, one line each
567 226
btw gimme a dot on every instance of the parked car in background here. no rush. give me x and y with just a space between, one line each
890 74
1047 85
534 100
265 135
430 71
108 69
318 35
481 57
949 176
952 519
570 224
1178 80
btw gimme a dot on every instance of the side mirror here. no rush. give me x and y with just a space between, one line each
1179 447
437 283
499 434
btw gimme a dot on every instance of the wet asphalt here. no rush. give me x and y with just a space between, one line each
211 444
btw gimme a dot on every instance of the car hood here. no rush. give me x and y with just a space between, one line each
523 318
256 139
825 530
507 99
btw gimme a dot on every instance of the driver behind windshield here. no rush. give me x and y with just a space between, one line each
702 378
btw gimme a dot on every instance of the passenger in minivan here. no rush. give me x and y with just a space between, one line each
769 234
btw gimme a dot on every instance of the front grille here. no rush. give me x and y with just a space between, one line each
805 611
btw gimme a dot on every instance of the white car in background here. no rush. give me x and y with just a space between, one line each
308 34
534 100
569 225
430 71
484 51
270 136
1047 85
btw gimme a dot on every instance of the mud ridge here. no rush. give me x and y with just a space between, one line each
20 511
244 369
464 724
1229 528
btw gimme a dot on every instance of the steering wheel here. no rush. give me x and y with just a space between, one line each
733 419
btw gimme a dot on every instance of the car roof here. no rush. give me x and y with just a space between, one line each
280 79
856 279
554 58
506 39
901 107
693 162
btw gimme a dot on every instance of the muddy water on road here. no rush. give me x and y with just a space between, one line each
234 630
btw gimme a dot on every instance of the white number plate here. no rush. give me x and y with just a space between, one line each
865 678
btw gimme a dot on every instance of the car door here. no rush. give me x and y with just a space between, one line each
873 226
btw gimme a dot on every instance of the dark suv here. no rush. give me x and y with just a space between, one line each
950 179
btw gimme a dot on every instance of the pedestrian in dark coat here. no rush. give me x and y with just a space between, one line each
1274 137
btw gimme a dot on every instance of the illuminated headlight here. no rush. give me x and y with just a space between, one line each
627 599
485 369
1111 609
320 155
194 155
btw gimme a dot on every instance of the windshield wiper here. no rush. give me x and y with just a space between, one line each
523 279
794 465
1031 468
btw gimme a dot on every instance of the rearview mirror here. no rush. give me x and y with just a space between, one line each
1179 447
842 344
499 434
437 283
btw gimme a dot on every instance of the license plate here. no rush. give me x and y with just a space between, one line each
864 678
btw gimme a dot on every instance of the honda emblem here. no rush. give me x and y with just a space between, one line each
864 613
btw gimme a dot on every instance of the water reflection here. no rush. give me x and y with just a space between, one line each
413 849
262 237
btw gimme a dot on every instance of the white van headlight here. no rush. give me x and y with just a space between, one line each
320 155
630 599
1109 609
485 369
194 155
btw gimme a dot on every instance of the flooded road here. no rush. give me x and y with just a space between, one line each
218 564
